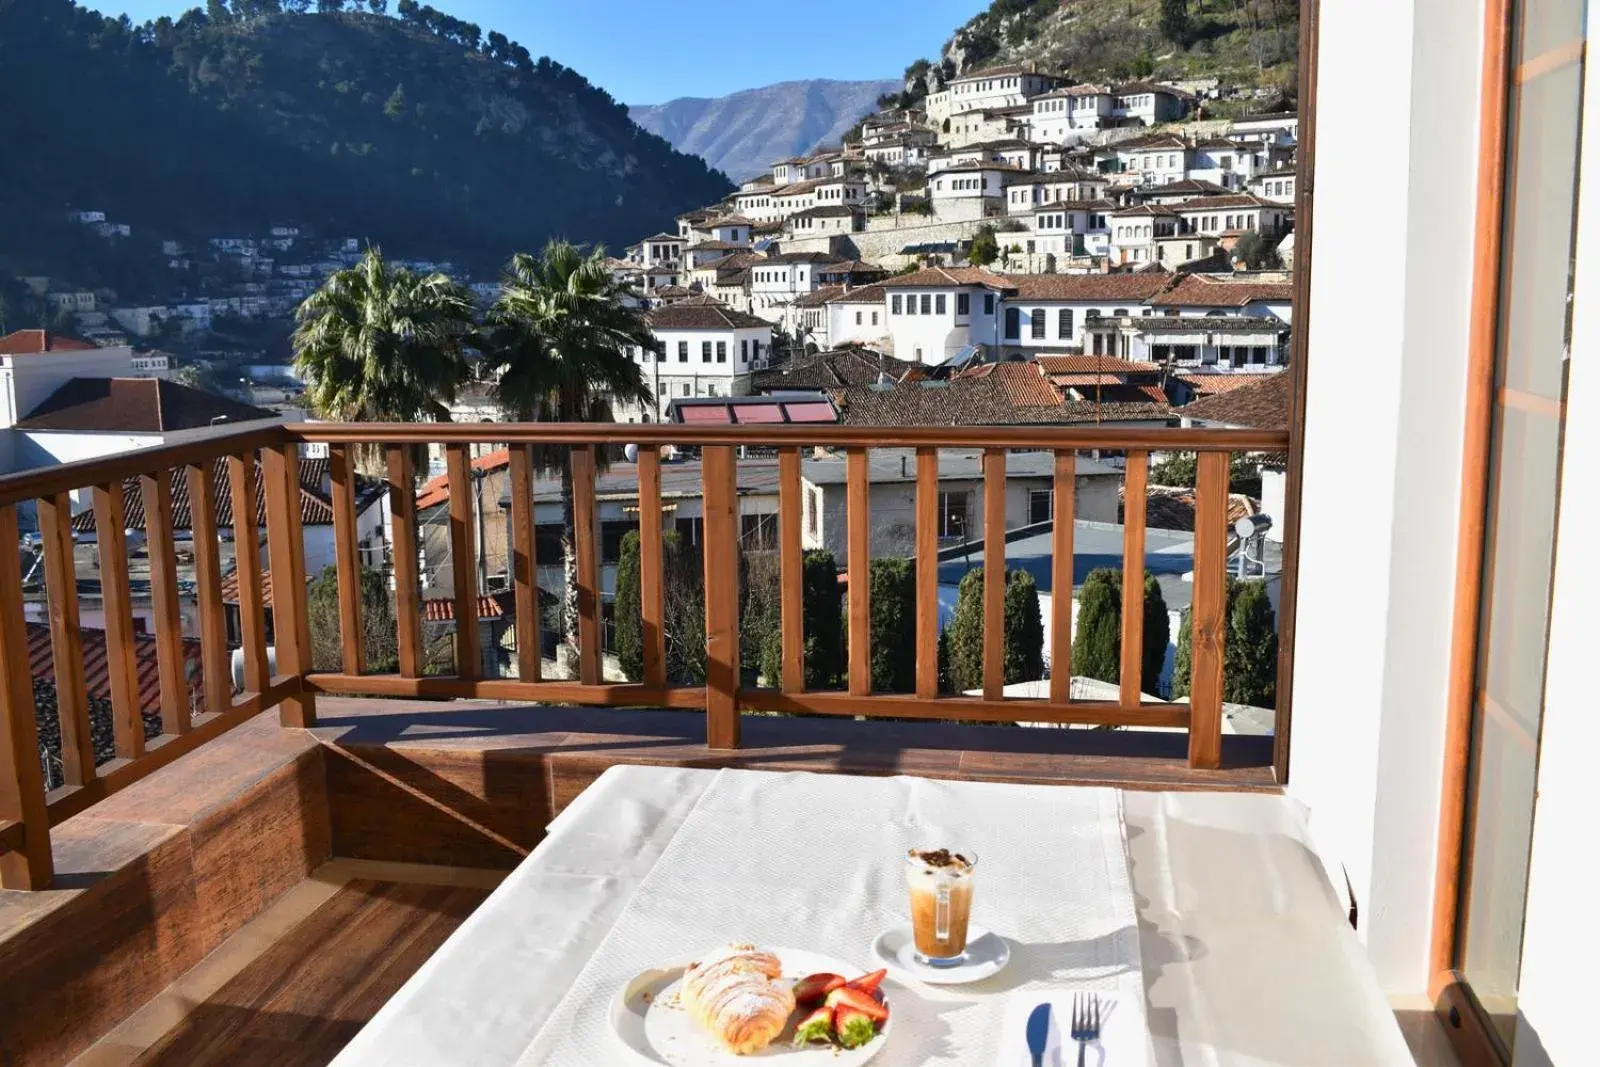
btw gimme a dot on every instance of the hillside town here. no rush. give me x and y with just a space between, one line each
1092 252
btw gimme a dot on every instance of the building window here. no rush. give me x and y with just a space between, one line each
1041 505
722 351
894 305
685 393
940 306
874 318
911 305
1064 324
858 318
1013 324
705 351
927 304
988 303
744 351
953 515
683 351
1036 324
963 303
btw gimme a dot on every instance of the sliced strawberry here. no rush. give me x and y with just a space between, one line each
813 987
868 983
854 1028
865 1003
818 1026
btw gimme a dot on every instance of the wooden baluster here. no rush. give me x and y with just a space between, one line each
524 564
585 548
244 479
1061 576
463 561
172 668
347 563
127 726
652 580
927 573
21 777
1210 608
1133 507
858 552
720 552
66 640
791 564
994 573
208 587
403 529
291 625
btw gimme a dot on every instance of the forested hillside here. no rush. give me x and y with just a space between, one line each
416 131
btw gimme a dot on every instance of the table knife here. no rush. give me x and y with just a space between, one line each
1039 1033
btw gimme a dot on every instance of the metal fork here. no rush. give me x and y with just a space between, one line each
1085 1022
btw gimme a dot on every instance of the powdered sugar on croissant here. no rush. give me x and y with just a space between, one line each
739 996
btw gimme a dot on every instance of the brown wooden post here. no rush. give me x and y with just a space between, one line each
1061 575
21 777
858 552
1133 507
243 477
652 578
524 565
347 562
291 626
927 573
463 561
586 548
721 555
168 616
403 531
66 640
1210 610
791 506
127 726
994 573
208 587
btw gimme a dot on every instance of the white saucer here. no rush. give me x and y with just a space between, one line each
987 954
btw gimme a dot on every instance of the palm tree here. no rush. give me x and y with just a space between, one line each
560 342
378 343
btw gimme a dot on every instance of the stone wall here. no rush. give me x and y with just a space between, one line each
885 236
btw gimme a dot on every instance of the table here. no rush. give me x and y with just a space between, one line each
1245 955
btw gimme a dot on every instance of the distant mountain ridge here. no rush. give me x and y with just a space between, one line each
743 133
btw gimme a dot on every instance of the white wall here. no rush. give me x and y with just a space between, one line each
1555 1008
1377 581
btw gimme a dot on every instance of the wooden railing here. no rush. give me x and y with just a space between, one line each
27 811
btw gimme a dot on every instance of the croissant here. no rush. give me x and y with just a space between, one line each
739 996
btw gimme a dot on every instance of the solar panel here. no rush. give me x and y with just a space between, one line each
811 411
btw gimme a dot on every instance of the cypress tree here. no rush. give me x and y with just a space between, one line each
627 637
1157 633
893 624
1250 655
964 636
1097 638
1181 661
824 648
1024 629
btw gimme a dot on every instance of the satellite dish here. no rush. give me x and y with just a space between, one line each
1251 525
631 452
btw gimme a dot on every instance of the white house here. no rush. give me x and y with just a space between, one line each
1144 104
1227 163
661 250
828 219
777 280
1153 160
1223 343
1064 115
970 192
1134 232
1047 312
1200 294
1282 128
1225 215
935 313
702 349
1277 185
857 316
995 87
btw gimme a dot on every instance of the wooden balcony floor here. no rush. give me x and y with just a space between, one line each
293 986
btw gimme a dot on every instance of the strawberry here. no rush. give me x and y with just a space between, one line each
818 1026
868 983
855 1028
854 999
813 987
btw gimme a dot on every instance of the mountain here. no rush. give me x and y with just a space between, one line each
742 134
414 132
1252 44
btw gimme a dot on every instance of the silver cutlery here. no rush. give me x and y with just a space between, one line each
1085 1022
1039 1033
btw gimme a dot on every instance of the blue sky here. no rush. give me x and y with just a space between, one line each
651 51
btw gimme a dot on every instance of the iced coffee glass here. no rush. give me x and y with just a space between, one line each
940 883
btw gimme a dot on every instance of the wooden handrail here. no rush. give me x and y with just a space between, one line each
1109 438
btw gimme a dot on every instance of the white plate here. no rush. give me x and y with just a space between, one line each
650 1024
987 954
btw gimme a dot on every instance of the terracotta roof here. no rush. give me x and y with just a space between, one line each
1189 187
1129 288
1234 200
437 490
1214 384
490 606
315 508
829 211
939 277
1198 290
230 587
136 405
703 317
798 188
1261 405
834 370
1095 365
1024 384
97 676
867 294
24 342
819 297
981 401
995 72
713 246
1154 141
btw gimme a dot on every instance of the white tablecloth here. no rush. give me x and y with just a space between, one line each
1247 959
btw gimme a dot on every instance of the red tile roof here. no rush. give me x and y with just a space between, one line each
938 277
24 342
1262 405
1022 384
1129 288
97 676
1198 290
1053 365
136 405
490 606
437 490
